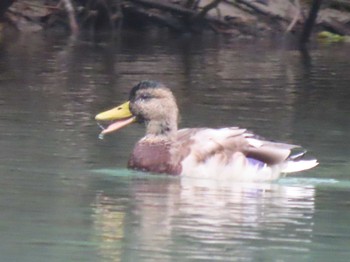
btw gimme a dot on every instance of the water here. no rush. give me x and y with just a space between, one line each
66 195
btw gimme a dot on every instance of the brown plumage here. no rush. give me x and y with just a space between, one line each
232 153
154 157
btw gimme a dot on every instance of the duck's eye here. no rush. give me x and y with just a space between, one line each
145 97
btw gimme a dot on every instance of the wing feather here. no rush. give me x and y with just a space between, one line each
204 143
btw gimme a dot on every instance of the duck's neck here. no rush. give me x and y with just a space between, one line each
161 130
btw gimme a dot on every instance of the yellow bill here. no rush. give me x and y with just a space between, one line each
121 116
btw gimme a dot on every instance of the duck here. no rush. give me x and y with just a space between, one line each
232 153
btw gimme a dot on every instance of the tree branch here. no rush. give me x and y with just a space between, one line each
71 15
296 16
207 8
310 21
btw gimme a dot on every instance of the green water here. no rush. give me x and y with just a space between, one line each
66 195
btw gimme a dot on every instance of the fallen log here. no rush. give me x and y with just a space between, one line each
261 9
182 18
162 19
336 27
164 6
245 17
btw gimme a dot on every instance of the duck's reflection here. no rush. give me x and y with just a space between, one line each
109 226
177 218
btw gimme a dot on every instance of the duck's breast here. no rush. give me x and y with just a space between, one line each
154 158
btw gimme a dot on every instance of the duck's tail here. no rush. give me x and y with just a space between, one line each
300 165
297 163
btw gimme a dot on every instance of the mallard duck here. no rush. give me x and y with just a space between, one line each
231 152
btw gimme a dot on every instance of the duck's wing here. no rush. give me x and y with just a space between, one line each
269 152
204 143
235 153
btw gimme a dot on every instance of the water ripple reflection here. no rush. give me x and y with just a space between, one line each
201 219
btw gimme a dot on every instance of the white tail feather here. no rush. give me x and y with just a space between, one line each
300 165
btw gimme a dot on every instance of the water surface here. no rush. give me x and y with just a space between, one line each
66 195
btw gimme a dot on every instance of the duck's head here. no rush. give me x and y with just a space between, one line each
149 102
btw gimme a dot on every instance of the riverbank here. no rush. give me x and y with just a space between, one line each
239 18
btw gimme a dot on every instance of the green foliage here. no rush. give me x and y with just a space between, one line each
329 37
